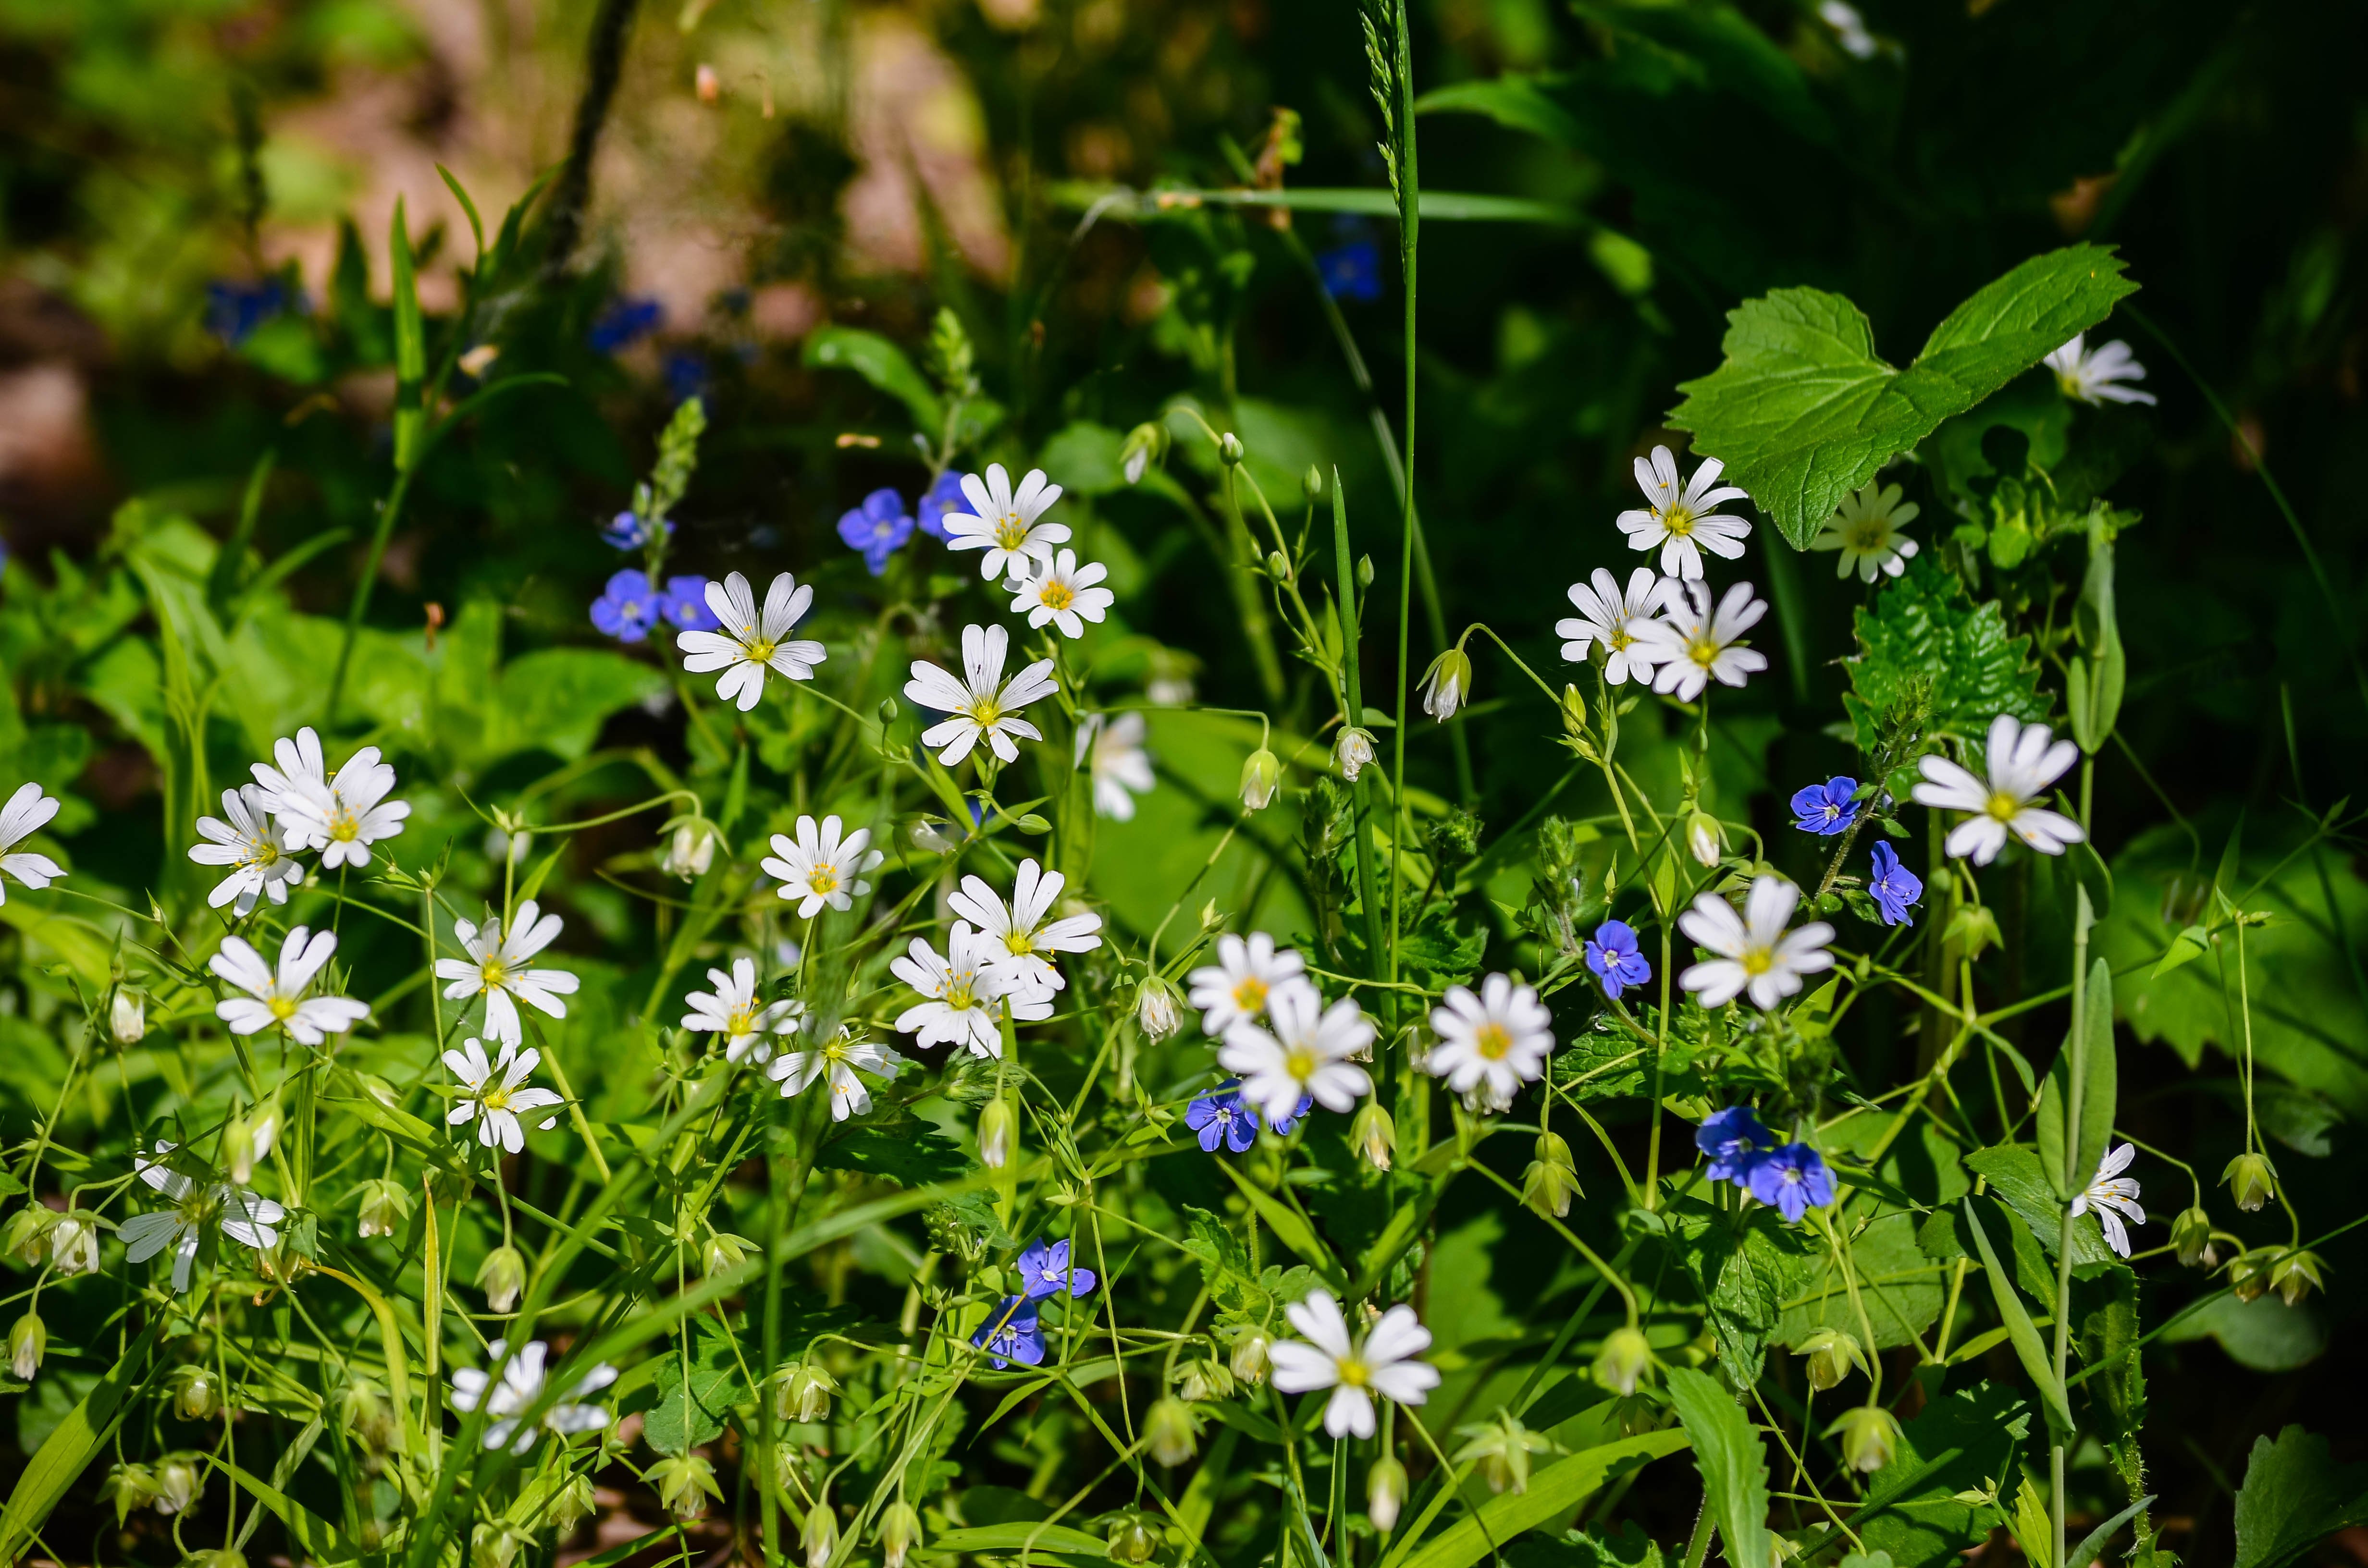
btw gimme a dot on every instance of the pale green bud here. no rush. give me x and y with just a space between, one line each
2248 1272
1145 444
1373 1135
1172 1431
129 1486
2295 1275
2252 1180
1706 838
29 1341
572 1504
502 1276
1869 1436
820 1534
722 1253
27 1233
1386 1492
126 1018
1133 1540
900 1532
1832 1356
1229 449
1552 1180
496 1544
801 1394
1204 1380
196 1394
1261 776
1620 1365
998 1133
2192 1234
73 1245
385 1207
1249 1361
1447 685
685 1483
179 1481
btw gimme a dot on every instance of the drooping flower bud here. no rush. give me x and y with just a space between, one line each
572 1504
820 1534
179 1483
1705 837
900 1532
27 1233
1502 1449
1250 1359
1261 776
1552 1179
1204 1380
502 1276
685 1482
362 1409
126 1018
1869 1436
73 1245
385 1207
689 852
2252 1180
1620 1365
1832 1357
2192 1234
1145 444
1352 752
196 1395
494 1544
998 1133
129 1486
801 1394
2248 1273
238 1148
1133 1540
1385 1492
1446 684
1172 1431
2295 1275
720 1253
1373 1135
1155 1010
29 1341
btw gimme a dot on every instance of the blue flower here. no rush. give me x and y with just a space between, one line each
1283 1124
1352 271
627 321
1825 808
1219 1117
686 376
629 609
1733 1139
1895 887
1012 1334
1044 1271
1792 1181
234 310
945 495
627 531
878 528
1611 954
684 602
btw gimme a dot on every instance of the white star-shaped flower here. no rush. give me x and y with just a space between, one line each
1109 747
522 1378
1865 529
1304 1049
1754 953
982 705
734 1011
1247 973
497 1093
341 817
1020 927
819 867
1615 619
2096 376
835 1065
1383 1364
278 998
2022 764
1061 591
751 642
27 811
496 968
253 846
1682 518
1003 524
1492 1043
966 992
2110 1195
1694 645
245 1217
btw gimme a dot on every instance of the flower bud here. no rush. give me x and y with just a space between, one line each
1133 1540
1260 777
1155 1010
502 1276
1365 570
998 1133
801 1394
1622 1361
385 1206
361 1409
27 1342
73 1245
221 1557
1552 1179
1446 684
571 1506
1229 449
1869 1436
1706 838
1204 1380
1172 1431
899 1533
1502 1449
1278 565
1311 484
2248 1273
1352 752
178 1482
820 1534
129 1486
1385 1492
1832 1355
1249 1359
2293 1275
196 1395
685 1482
2252 1180
689 852
126 1018
494 1544
1373 1135
2192 1234
27 1233
720 1253
1145 444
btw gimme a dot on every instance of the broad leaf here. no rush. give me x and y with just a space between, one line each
1742 1276
1924 640
2020 1330
909 1156
1901 1286
1554 1493
2093 1046
2294 1497
1974 1433
2017 1179
882 364
682 1412
1732 1461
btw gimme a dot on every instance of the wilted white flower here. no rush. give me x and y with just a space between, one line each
1109 747
1693 645
1353 752
498 1093
819 867
73 1245
1304 1049
2111 1194
1062 592
279 997
752 642
28 812
1022 928
1865 529
341 817
834 1063
126 1018
1155 1010
2097 377
1003 524
1614 618
1492 1043
1681 517
689 852
734 1011
522 1378
1754 953
496 968
966 992
246 1218
1446 684
253 846
1246 975
982 705
1384 1363
2022 765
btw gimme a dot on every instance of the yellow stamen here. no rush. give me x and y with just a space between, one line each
1250 993
1354 1373
2004 807
1757 960
1011 532
1677 521
1020 943
1299 1062
282 1007
1057 594
824 877
1491 1041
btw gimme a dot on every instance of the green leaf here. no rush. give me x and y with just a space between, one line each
1082 458
2072 1170
1802 412
2294 1497
1554 1493
68 1448
2019 1329
1733 1461
2263 1334
1899 1285
2018 1180
556 700
677 1423
1287 1226
2092 1545
1014 1536
1974 1433
2093 685
1741 1276
1924 642
882 364
909 1156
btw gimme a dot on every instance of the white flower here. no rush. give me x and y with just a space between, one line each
253 846
1383 1364
733 1011
245 1217
1110 748
1491 1043
750 642
495 1096
2095 378
1755 952
280 998
1353 752
1005 525
1616 619
341 817
1865 529
2112 1195
1021 928
521 1386
1305 1049
2022 765
27 811
1850 29
1062 592
983 704
967 992
496 968
1247 973
1446 684
1682 519
1694 644
835 1064
820 867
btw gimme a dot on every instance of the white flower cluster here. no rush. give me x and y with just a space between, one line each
996 963
295 807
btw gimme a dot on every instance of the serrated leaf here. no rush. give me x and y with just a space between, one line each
1732 1461
1925 637
1973 1432
1741 1276
909 1156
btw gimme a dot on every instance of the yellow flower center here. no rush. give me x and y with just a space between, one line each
742 1021
1677 521
824 877
985 712
1619 639
1703 651
1869 535
2004 807
497 974
1019 943
1250 993
1299 1062
1757 960
495 1097
1354 1373
1011 532
282 1007
958 992
344 827
1057 594
266 853
761 651
1491 1041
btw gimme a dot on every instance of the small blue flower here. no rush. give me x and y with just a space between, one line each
629 609
1219 1117
1792 1181
1733 1139
1352 271
878 528
684 602
628 531
1895 887
1611 954
1825 808
234 310
686 376
945 495
1011 1333
1044 1271
1283 1124
627 321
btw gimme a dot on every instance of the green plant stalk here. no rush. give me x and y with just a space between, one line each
1354 689
2078 1046
1409 239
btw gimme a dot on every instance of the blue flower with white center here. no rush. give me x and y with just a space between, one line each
1612 953
878 528
945 495
1825 808
1283 1124
629 609
1733 1139
1044 1270
1219 1117
1352 271
628 531
624 322
684 602
1895 887
1792 1181
1011 1333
